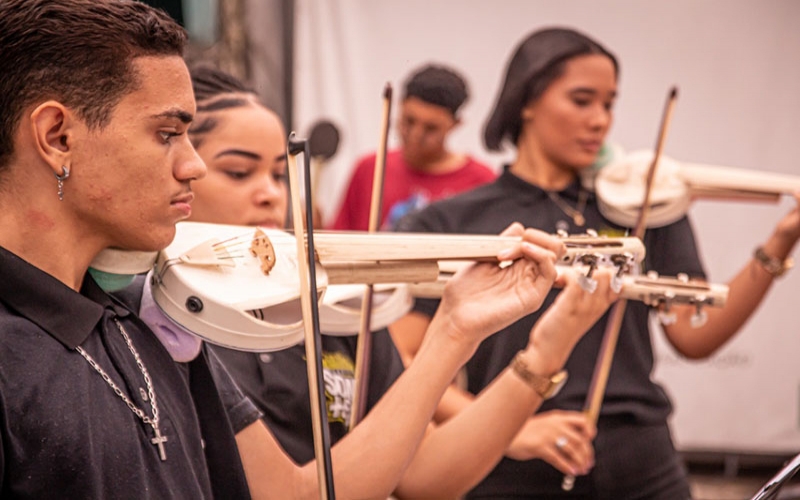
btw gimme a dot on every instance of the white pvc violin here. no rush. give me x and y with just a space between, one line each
340 309
237 286
620 187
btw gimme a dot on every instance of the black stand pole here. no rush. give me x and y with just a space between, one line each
770 490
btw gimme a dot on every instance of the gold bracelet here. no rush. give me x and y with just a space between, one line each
774 266
546 387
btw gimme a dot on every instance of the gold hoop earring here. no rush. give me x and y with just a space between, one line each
60 179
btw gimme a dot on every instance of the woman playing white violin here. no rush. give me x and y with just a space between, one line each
243 146
555 109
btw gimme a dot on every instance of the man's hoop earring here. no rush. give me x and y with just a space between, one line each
60 179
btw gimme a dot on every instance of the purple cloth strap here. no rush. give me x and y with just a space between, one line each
182 344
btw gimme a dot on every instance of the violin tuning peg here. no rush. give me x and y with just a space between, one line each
699 318
623 262
591 260
587 283
667 317
616 284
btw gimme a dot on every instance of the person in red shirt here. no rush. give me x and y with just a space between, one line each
422 169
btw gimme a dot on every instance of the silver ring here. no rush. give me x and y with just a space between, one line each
561 442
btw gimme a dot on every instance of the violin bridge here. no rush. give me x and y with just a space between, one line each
261 248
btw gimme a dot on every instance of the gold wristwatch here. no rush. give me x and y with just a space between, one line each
546 387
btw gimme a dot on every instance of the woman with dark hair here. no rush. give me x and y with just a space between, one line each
555 108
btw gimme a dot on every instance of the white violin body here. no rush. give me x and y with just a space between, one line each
340 309
620 187
223 296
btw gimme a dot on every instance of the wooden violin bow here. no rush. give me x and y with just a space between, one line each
308 285
364 342
597 387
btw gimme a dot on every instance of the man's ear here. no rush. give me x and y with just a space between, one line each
52 126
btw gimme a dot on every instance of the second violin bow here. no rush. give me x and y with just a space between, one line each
364 343
602 368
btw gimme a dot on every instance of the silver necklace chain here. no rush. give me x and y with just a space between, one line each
159 439
577 212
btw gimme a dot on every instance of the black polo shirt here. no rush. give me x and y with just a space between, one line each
64 433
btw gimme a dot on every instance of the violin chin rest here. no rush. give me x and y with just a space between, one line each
123 262
111 282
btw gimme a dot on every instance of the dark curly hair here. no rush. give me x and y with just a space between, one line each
79 52
214 90
437 85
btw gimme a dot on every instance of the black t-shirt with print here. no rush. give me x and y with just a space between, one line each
277 382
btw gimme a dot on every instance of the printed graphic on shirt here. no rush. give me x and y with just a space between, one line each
613 232
338 372
416 201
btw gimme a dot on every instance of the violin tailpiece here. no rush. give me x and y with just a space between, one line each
208 253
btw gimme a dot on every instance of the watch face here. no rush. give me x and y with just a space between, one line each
557 381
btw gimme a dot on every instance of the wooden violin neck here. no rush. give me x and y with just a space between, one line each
342 247
727 182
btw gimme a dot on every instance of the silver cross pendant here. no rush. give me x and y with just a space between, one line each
159 441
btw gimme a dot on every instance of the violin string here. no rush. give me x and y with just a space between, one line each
229 256
237 242
233 242
225 242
